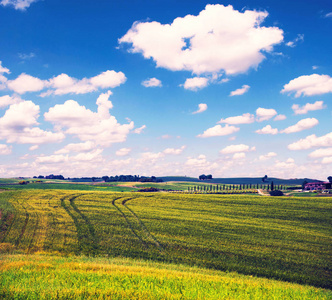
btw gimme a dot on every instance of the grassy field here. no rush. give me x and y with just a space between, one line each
56 277
287 239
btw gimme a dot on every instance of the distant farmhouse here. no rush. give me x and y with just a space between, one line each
317 186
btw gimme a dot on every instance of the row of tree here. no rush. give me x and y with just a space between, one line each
131 178
230 187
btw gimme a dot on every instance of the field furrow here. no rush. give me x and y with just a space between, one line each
282 238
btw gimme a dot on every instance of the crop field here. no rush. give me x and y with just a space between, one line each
280 238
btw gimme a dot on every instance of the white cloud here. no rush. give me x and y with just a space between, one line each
244 119
123 152
267 156
64 84
245 88
312 141
17 125
280 118
173 151
201 163
52 159
308 107
267 130
328 15
322 152
301 125
236 148
218 130
309 85
3 69
299 38
152 82
26 83
9 100
218 39
81 157
239 155
288 164
201 107
18 4
140 129
327 160
166 136
108 79
196 83
24 56
315 67
5 149
264 114
100 127
34 147
76 147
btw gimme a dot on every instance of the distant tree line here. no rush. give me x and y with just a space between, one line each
51 176
214 188
121 178
131 178
205 177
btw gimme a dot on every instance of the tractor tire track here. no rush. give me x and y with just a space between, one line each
86 240
18 241
90 227
128 222
144 228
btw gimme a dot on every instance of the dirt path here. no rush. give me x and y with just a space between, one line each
261 193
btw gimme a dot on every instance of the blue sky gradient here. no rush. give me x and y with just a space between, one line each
273 61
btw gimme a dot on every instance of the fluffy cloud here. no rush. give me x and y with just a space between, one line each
267 156
5 150
312 141
299 38
3 69
301 125
321 153
18 4
267 130
218 39
240 155
327 160
140 129
236 148
201 107
280 118
218 130
81 157
17 125
152 82
123 152
173 151
245 88
309 85
244 119
196 83
100 128
201 163
9 100
264 114
26 83
76 147
308 107
288 164
64 84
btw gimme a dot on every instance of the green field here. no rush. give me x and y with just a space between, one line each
226 245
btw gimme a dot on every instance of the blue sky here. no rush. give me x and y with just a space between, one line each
229 88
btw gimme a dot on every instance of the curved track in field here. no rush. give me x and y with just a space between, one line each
144 228
136 225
